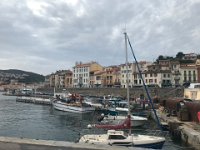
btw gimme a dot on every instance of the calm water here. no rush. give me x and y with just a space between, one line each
43 122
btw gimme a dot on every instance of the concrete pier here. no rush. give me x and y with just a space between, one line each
189 132
12 143
35 100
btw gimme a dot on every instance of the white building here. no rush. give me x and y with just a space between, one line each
123 72
189 73
83 74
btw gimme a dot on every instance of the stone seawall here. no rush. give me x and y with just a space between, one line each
134 92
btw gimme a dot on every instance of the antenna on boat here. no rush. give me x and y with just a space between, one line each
127 79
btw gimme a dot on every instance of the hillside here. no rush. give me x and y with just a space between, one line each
21 76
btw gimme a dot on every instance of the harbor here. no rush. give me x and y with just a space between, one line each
42 122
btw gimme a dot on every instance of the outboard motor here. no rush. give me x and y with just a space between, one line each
100 118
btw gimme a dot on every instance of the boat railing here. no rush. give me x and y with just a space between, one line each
157 133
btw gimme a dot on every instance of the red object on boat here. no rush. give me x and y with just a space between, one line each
198 115
125 125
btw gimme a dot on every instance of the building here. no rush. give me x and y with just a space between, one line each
111 76
84 74
198 70
188 73
190 56
127 70
192 92
175 70
61 79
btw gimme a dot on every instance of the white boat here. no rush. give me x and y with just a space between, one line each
75 107
119 138
94 102
136 121
68 102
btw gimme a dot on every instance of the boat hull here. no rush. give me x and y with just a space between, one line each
157 145
142 141
136 121
75 109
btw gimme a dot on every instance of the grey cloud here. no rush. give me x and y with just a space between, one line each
93 30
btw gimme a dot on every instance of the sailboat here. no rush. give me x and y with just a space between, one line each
120 138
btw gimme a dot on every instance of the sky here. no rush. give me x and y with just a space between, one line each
44 36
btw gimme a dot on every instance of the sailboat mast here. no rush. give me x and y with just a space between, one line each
127 77
127 80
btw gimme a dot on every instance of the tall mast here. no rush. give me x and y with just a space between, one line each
127 77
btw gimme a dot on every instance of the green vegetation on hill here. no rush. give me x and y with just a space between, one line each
21 76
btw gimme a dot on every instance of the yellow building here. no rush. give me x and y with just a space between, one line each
193 91
111 76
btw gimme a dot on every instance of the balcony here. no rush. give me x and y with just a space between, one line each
176 78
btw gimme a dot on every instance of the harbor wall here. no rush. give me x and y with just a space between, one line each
189 132
134 92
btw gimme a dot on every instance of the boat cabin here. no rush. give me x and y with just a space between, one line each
116 135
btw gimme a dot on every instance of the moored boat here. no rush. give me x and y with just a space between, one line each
71 103
119 138
72 107
136 121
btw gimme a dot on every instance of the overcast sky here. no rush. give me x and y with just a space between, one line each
43 36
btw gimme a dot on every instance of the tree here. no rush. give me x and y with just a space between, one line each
180 55
160 57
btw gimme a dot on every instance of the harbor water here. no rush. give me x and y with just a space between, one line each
26 120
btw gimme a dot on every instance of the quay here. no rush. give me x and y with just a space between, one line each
13 143
187 131
35 100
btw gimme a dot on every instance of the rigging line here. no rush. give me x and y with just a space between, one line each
145 87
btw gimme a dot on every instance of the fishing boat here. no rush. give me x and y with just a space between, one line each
119 138
71 103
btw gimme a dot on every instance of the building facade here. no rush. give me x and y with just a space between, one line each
83 74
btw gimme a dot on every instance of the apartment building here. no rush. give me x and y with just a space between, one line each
98 78
111 76
198 70
127 70
143 66
61 79
168 72
188 73
83 74
175 70
190 56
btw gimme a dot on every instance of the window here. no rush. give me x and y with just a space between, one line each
116 137
189 73
140 81
185 79
150 80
